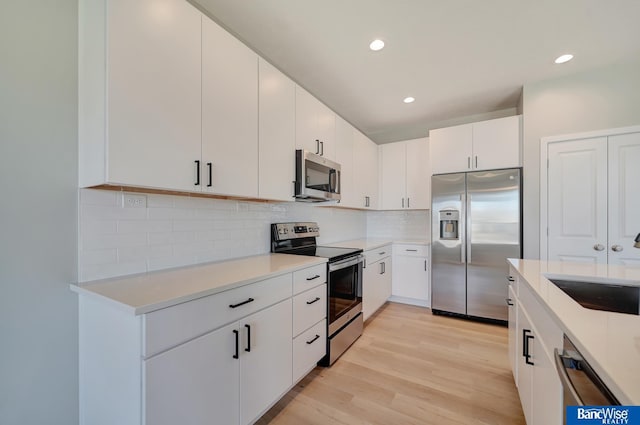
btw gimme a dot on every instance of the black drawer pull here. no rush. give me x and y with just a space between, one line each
511 279
313 277
313 301
525 346
411 250
382 253
242 303
509 301
236 355
197 183
314 339
248 349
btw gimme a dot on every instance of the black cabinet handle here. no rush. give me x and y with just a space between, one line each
525 346
317 147
236 355
313 277
402 202
321 148
508 300
408 202
411 250
197 172
242 303
314 339
313 301
511 279
210 165
248 349
425 265
382 253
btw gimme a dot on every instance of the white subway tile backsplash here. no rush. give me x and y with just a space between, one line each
174 231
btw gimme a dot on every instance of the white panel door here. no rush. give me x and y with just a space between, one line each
194 383
154 93
577 201
450 149
229 114
266 351
418 174
394 176
277 128
624 202
496 143
344 157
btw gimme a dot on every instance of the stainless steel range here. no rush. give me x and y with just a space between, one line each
344 282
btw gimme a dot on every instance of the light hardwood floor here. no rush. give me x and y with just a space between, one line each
410 367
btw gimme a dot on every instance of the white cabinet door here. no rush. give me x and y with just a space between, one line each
369 283
525 371
315 125
344 157
418 174
496 143
513 332
229 114
266 359
194 383
276 133
386 281
393 176
624 202
547 388
365 162
450 149
411 278
154 72
577 201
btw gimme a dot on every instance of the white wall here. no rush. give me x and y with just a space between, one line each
399 225
602 98
38 219
177 231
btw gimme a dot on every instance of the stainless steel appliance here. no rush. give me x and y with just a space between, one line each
317 178
476 226
344 282
581 385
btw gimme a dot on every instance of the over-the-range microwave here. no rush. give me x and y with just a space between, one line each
317 178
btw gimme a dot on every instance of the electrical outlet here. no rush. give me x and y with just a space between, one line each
134 200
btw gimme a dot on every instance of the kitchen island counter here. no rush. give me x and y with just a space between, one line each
609 341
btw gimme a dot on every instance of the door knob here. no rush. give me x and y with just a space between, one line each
598 247
616 248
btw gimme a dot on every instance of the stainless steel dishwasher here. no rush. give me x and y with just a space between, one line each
581 385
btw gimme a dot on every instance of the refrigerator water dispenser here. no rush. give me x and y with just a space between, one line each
449 224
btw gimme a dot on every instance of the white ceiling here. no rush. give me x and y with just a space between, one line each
458 58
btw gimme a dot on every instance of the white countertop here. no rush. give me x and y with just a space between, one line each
610 342
147 292
367 244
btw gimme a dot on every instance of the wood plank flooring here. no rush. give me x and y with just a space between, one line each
410 367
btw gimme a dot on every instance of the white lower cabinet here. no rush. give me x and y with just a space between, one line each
534 339
376 280
221 359
411 274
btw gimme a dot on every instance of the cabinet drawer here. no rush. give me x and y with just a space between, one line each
308 348
548 331
309 307
377 254
173 325
411 250
308 278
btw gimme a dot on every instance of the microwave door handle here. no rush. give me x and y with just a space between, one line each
332 181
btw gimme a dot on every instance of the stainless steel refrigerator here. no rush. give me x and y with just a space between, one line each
476 226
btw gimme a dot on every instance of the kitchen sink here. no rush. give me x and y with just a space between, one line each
602 296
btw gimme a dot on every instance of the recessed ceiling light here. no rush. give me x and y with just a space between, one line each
409 99
376 45
564 58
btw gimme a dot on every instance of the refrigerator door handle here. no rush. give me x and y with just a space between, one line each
462 230
467 235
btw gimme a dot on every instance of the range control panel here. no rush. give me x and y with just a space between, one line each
284 231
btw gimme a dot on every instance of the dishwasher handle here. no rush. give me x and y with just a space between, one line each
566 382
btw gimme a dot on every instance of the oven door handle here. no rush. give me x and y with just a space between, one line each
566 382
345 263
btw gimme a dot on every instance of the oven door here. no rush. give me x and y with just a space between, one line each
345 290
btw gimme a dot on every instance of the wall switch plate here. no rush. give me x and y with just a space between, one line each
134 200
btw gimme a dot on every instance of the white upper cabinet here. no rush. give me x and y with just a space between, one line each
482 145
229 114
589 203
315 125
365 169
139 93
344 157
405 175
276 133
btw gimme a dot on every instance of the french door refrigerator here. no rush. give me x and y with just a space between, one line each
476 226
